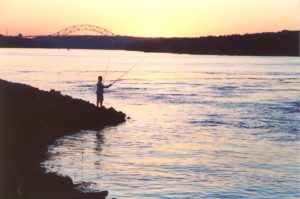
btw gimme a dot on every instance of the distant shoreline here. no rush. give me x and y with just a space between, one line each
284 43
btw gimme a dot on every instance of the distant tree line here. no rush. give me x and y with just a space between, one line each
284 43
20 42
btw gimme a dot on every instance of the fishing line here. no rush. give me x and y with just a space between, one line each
119 78
81 142
106 68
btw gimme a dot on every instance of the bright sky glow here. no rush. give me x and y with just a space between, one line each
167 18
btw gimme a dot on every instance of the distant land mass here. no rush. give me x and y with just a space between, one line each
284 43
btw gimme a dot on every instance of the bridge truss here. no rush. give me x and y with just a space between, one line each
84 27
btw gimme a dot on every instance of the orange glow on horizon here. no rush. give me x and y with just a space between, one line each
156 18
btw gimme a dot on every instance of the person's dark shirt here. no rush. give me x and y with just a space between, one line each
100 88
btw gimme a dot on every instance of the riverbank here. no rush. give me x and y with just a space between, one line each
30 120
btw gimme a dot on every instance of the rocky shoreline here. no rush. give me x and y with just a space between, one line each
31 120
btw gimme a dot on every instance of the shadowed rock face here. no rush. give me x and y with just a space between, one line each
30 120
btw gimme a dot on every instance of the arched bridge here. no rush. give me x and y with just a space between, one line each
71 29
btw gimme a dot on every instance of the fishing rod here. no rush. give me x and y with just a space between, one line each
122 75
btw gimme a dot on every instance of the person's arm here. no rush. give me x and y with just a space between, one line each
107 86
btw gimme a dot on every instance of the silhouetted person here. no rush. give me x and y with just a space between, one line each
100 91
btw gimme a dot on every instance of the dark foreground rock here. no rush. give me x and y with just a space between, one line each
30 120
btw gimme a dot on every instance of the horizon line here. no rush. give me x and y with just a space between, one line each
150 37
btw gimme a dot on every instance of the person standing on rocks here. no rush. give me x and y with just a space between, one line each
100 91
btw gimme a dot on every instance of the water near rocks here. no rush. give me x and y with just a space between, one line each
200 127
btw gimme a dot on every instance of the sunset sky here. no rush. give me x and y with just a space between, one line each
166 18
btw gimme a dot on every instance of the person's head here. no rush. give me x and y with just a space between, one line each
100 78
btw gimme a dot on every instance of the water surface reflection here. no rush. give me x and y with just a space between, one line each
201 127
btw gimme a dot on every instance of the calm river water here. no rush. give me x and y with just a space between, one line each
200 127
